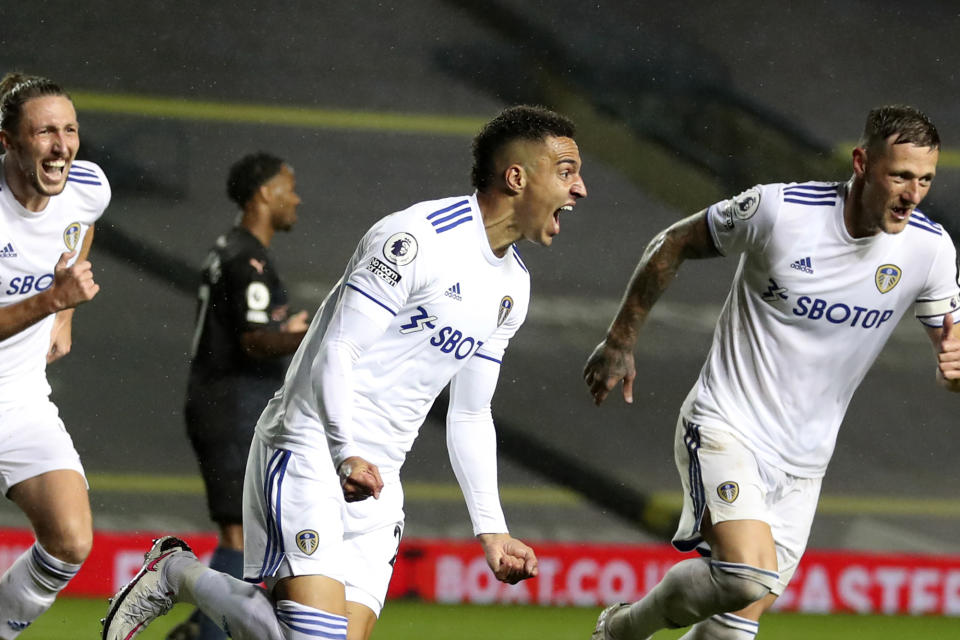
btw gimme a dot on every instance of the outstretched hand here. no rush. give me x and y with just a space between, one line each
605 368
948 352
359 479
510 560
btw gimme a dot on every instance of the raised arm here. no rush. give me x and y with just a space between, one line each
612 360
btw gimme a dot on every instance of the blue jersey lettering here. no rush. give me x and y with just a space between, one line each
26 284
839 313
450 340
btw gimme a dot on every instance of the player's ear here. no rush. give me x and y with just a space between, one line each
859 161
6 139
263 192
516 178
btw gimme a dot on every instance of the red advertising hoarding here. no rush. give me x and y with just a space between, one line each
579 574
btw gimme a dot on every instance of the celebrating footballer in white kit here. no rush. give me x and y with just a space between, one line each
431 297
48 204
826 271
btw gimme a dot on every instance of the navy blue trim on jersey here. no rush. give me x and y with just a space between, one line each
454 219
809 186
491 359
83 176
921 221
516 256
364 293
692 440
273 554
95 183
811 194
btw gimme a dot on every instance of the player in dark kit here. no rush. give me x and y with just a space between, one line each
240 346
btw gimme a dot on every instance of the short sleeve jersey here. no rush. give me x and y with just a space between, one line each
808 312
240 291
449 299
31 243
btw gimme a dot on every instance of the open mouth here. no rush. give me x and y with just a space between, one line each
54 169
901 213
556 216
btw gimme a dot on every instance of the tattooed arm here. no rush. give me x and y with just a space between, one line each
612 360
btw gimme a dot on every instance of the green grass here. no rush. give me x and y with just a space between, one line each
78 619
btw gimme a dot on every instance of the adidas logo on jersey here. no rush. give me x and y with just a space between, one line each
8 251
454 292
804 265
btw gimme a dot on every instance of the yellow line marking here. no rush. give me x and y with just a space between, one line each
142 483
509 494
315 118
307 117
549 496
887 505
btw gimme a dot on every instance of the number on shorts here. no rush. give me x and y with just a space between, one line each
397 533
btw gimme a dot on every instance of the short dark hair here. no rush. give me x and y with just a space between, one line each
910 125
15 89
520 122
249 173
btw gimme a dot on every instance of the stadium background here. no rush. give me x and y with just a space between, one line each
374 104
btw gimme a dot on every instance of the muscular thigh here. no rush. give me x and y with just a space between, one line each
58 508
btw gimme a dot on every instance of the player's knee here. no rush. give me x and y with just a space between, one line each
71 546
741 584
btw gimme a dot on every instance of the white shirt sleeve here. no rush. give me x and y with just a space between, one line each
355 325
472 443
390 263
940 294
383 275
744 223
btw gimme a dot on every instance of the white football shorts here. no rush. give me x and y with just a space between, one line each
296 522
721 474
34 441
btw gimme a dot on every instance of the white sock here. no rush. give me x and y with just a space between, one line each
691 591
29 587
300 622
724 626
241 609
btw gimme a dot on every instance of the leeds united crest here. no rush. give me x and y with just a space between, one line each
506 306
728 491
71 235
308 541
887 277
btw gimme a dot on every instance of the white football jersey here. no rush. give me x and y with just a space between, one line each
30 246
448 300
808 312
